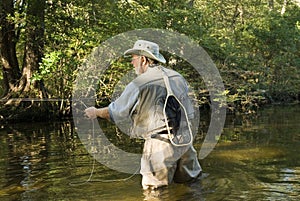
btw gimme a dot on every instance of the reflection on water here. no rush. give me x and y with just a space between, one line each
257 158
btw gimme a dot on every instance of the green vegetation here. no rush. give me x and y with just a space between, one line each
255 45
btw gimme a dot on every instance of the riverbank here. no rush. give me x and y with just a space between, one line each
35 113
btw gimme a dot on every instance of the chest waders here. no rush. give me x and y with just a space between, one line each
180 139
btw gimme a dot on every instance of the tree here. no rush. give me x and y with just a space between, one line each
16 17
8 40
255 45
17 76
34 44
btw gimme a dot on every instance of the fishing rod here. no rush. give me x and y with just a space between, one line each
45 99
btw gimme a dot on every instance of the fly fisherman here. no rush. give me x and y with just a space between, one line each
161 120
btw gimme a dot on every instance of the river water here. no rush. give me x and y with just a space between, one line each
257 158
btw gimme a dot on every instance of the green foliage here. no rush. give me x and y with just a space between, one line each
113 80
254 45
48 66
256 49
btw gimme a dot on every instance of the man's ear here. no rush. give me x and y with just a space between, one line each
144 60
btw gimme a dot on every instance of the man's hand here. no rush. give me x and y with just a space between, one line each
91 112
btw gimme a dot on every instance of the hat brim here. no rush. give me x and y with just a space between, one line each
158 57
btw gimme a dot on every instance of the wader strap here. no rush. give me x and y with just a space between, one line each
169 94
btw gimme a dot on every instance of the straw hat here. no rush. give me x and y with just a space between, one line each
147 49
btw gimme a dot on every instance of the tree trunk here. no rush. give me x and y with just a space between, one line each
34 45
18 82
8 40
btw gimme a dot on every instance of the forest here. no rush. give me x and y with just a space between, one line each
255 44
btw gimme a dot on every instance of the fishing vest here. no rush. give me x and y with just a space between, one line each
143 99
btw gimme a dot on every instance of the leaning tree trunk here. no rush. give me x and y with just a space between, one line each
18 83
8 38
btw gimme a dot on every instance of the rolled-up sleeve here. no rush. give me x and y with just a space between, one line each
121 109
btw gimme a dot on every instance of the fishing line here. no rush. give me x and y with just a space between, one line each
94 165
93 134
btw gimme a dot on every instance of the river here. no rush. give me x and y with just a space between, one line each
256 158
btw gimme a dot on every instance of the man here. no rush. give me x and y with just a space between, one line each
162 120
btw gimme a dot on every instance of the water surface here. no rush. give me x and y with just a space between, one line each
257 158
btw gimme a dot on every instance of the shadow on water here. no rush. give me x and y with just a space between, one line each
257 158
